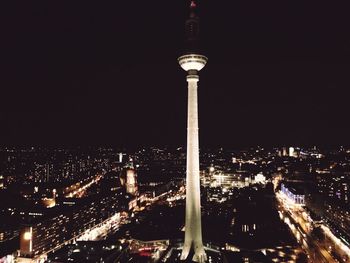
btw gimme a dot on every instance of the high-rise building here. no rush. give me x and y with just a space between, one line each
128 178
48 172
131 181
284 151
192 62
291 152
2 184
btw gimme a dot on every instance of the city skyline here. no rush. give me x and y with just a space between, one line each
278 74
298 197
93 162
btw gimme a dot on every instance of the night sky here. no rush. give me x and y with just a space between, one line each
97 73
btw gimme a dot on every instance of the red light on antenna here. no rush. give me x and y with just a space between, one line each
193 4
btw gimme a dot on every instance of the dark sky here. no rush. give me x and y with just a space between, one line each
81 72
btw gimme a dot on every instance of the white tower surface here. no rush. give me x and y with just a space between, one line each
193 227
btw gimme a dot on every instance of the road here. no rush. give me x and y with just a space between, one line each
107 227
80 190
296 218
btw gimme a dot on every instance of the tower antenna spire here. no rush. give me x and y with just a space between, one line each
193 4
192 29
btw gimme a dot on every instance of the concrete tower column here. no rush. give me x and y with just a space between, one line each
193 63
193 227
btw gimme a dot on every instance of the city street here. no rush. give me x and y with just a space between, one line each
296 218
81 190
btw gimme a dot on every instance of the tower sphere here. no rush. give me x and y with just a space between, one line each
192 62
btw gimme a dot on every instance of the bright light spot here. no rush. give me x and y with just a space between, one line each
27 236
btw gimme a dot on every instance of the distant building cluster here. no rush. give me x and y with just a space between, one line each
44 205
40 165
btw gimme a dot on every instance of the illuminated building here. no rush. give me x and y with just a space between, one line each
192 62
128 179
232 180
8 259
48 171
291 151
41 237
2 185
49 202
284 151
293 194
260 178
148 248
220 179
7 233
131 182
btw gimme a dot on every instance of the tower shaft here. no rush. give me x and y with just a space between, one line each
193 225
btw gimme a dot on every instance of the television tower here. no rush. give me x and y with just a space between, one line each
193 62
